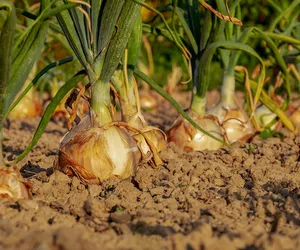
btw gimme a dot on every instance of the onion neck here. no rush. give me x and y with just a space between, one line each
128 99
228 91
101 103
128 103
198 105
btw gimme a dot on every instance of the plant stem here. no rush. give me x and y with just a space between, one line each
198 104
128 103
128 100
228 90
101 103
125 88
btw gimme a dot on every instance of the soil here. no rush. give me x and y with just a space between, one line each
244 197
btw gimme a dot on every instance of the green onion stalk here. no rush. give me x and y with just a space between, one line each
151 139
100 146
233 118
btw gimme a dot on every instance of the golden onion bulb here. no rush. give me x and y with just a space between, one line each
234 121
12 184
188 138
29 106
95 154
264 116
295 118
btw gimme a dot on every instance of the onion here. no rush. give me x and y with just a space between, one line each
264 116
188 138
234 120
29 106
150 140
97 153
12 184
157 137
295 118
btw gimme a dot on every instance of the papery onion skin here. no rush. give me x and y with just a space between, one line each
99 153
188 138
12 185
150 140
155 135
234 121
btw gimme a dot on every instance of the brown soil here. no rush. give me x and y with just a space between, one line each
245 197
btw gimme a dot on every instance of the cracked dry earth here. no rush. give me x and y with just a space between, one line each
245 197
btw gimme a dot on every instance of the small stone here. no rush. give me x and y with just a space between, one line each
268 152
94 190
194 180
112 201
237 180
219 182
249 161
120 217
75 182
167 154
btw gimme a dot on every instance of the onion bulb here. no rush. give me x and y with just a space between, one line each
29 106
264 116
97 153
12 185
234 120
147 14
188 138
295 118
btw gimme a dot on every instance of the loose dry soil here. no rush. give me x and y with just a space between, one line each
245 197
